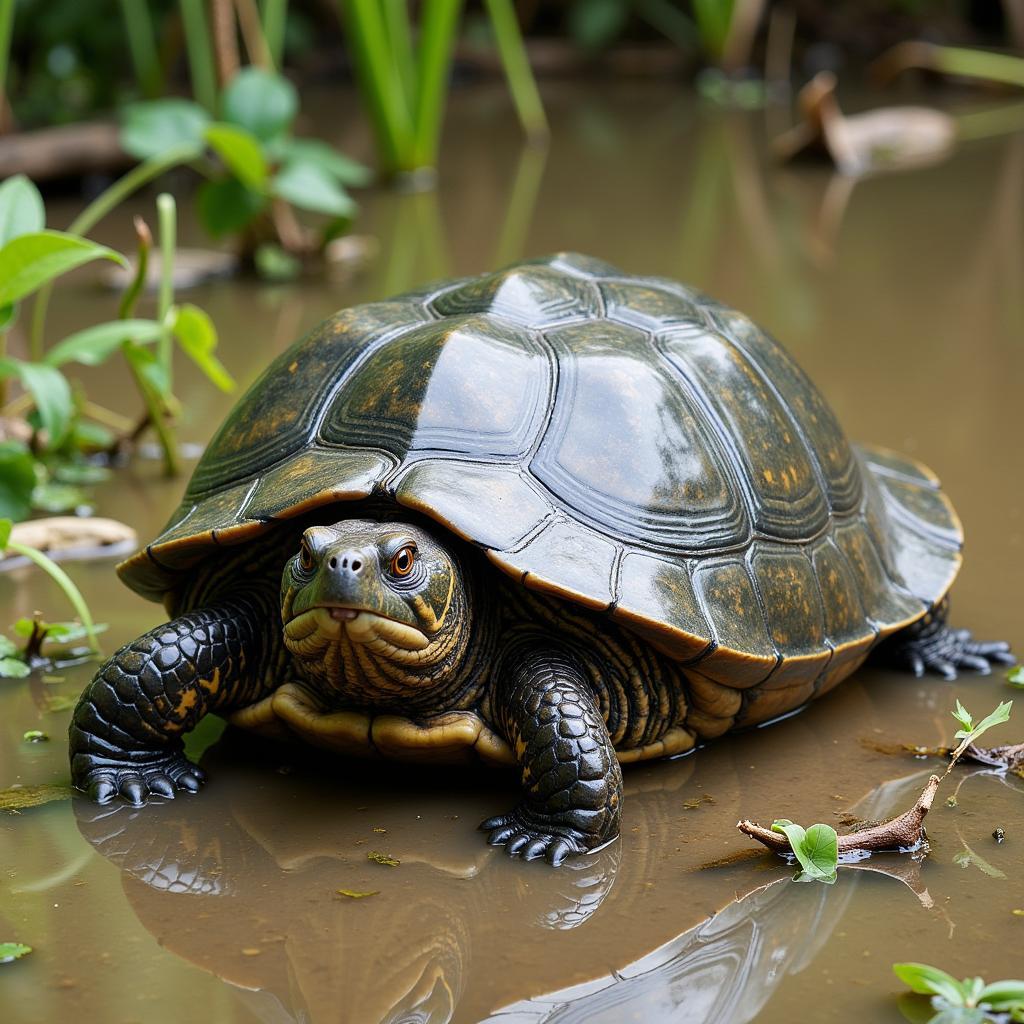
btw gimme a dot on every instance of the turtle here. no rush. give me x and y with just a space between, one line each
557 517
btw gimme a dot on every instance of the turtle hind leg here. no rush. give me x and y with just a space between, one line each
547 712
125 736
931 645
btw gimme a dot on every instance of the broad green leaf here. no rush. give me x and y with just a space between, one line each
17 481
1003 995
1016 676
21 209
198 339
29 261
326 157
963 716
227 206
12 951
311 188
49 390
94 345
261 101
13 668
240 150
149 129
821 848
930 981
997 717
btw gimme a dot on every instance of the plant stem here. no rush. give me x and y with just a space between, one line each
138 27
399 35
138 282
379 82
97 210
521 82
167 221
6 25
275 17
225 40
200 53
252 32
437 38
66 584
107 417
959 61
156 413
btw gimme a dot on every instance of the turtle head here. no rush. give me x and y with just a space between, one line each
389 586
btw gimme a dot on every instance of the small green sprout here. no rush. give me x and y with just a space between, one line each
1016 676
969 731
816 848
999 1001
13 951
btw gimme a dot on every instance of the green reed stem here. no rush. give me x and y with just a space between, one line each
437 39
167 220
518 72
200 53
274 16
138 27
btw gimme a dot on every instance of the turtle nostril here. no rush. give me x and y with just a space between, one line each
333 563
356 565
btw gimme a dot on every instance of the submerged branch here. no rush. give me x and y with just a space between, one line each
906 831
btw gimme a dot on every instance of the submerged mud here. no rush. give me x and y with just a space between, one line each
907 313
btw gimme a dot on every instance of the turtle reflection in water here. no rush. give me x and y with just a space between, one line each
556 517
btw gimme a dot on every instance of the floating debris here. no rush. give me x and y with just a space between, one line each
35 736
353 895
382 858
59 702
18 798
251 951
998 834
13 951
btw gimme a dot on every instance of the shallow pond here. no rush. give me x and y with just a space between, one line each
906 308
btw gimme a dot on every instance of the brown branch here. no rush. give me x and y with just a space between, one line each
899 833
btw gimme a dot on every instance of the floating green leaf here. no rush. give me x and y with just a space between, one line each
13 668
1003 995
29 261
21 209
816 849
240 150
198 339
1016 676
382 858
149 129
13 951
35 736
930 981
260 101
310 187
94 345
353 895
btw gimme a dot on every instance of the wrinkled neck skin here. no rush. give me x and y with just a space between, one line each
374 663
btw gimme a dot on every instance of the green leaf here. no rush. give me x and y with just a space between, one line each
1002 995
930 981
7 646
997 717
198 339
49 390
260 101
58 498
13 951
311 188
963 716
29 261
17 481
1016 676
312 151
816 849
150 129
354 894
227 206
21 209
148 366
240 150
13 668
35 736
94 345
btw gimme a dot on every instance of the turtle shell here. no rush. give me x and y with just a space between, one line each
622 442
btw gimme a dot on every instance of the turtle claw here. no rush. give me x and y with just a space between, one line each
135 782
522 834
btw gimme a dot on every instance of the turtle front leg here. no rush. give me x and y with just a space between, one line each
931 645
126 732
546 709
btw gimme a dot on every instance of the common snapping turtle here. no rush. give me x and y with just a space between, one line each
554 516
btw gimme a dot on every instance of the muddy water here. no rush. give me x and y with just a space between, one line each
907 310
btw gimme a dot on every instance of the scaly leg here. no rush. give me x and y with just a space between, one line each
126 732
547 712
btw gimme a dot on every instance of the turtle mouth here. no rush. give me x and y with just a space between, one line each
325 624
349 612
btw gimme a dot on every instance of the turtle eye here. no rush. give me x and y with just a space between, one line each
402 562
306 560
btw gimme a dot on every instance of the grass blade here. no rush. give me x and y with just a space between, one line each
437 39
200 53
274 14
138 26
518 72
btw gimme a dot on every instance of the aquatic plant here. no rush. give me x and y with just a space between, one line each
905 832
51 428
15 663
1016 676
404 85
13 951
970 1001
256 170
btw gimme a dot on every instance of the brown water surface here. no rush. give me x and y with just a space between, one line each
907 312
